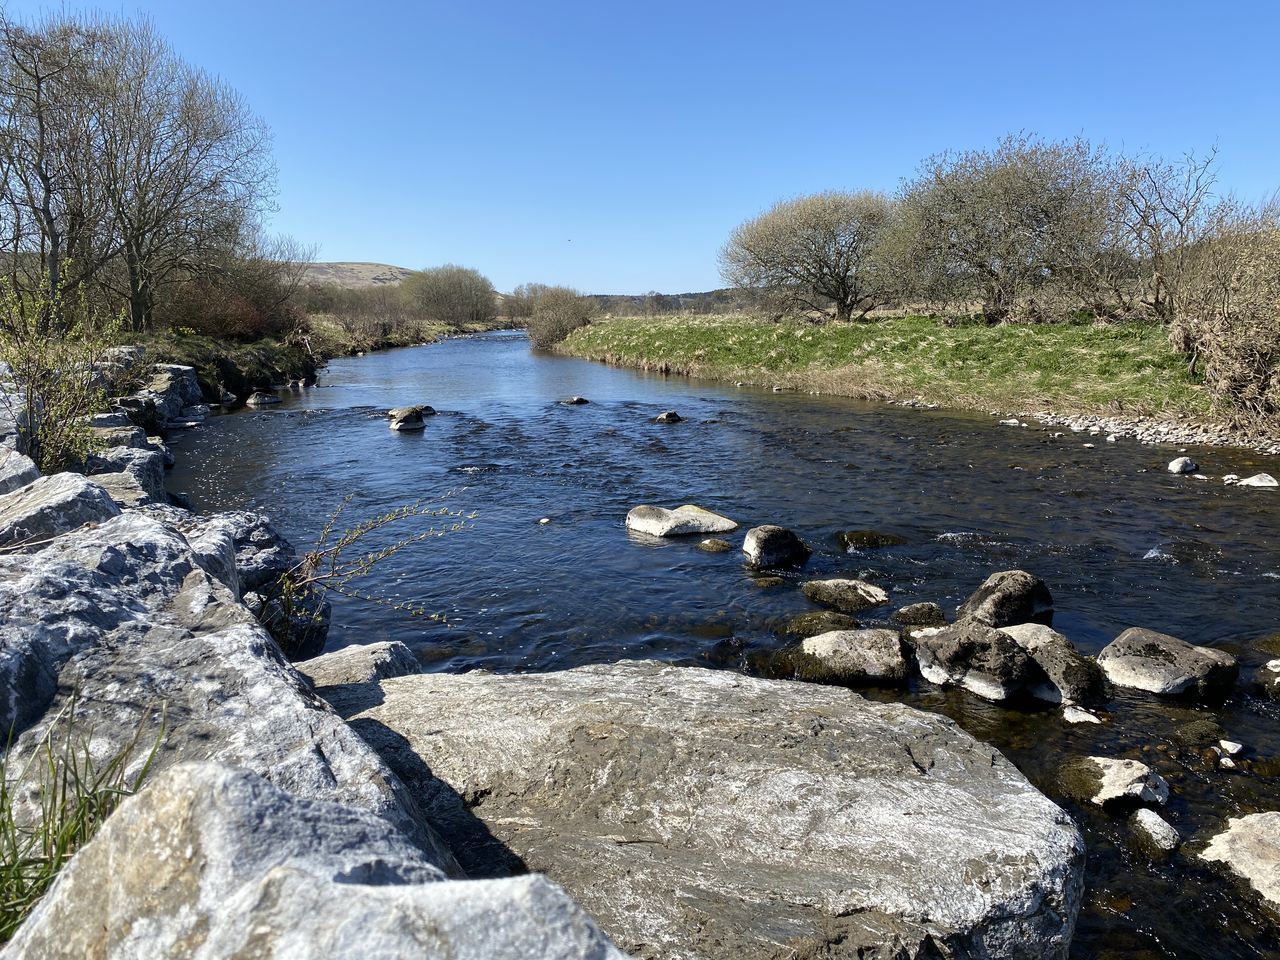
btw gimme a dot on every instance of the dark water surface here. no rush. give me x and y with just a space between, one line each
1119 541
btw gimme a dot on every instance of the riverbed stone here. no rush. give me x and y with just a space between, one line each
1183 465
1259 480
977 657
1007 598
715 545
920 615
50 506
360 663
774 546
1104 781
856 656
687 519
818 621
1154 832
1269 678
1069 676
123 619
212 862
1250 848
856 828
844 595
409 419
1141 659
867 540
16 471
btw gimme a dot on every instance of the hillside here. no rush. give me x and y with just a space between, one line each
351 275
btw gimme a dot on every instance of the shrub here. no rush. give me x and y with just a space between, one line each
451 294
556 313
49 356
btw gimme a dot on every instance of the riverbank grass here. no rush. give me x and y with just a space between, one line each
1082 368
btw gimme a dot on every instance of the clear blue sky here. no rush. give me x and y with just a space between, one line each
613 146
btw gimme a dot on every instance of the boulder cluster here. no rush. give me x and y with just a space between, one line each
1001 647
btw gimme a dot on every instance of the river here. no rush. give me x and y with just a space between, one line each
1120 541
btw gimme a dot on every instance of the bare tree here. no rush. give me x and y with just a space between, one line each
1000 224
452 294
815 252
186 165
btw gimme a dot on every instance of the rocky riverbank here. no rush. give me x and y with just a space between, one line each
348 805
451 813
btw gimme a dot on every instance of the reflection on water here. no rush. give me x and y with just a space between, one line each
1120 542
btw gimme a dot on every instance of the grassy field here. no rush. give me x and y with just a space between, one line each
1069 369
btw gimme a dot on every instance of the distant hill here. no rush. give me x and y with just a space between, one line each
352 275
710 301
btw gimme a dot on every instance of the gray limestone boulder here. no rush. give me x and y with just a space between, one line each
123 619
52 505
844 595
1104 781
703 814
362 663
661 522
774 546
212 863
16 471
920 615
977 657
856 656
1141 659
1250 848
1069 676
1009 597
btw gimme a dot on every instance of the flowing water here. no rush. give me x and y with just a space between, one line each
1120 542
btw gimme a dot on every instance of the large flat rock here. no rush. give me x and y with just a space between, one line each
211 863
703 814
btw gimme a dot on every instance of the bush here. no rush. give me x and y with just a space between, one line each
556 313
453 295
1229 320
53 385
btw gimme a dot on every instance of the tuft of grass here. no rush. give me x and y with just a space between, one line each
1119 368
77 792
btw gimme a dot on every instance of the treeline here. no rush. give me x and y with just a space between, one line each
1037 231
134 183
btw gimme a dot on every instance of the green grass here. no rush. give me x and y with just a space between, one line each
1126 369
77 792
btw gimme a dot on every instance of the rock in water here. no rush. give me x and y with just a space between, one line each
1183 465
406 419
58 503
1259 480
575 401
850 540
668 416
1154 832
1250 848
855 656
819 621
361 663
1103 781
262 399
847 596
1068 675
210 862
920 615
703 814
979 658
715 545
1158 663
661 522
1009 597
773 546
